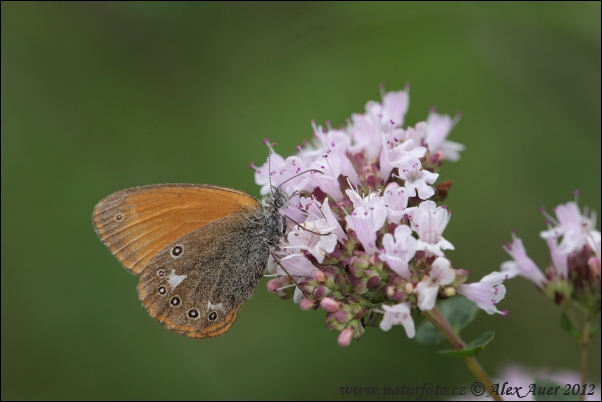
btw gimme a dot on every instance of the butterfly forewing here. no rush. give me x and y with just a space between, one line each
135 224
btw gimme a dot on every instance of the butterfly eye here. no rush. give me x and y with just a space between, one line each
175 301
193 313
177 251
212 316
161 290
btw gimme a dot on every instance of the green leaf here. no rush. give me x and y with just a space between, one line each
458 311
594 330
472 348
427 334
567 325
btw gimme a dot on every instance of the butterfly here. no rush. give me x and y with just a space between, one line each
199 250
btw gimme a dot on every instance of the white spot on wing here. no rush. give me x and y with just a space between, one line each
218 307
174 279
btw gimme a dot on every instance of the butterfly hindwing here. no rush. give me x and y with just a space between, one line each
197 284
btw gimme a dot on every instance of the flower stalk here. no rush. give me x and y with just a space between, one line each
437 319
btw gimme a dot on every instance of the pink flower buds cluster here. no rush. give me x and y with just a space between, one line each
573 274
365 234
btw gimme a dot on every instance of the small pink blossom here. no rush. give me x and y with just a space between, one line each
576 229
366 129
304 237
373 199
330 166
395 200
297 264
281 171
486 293
441 274
395 153
399 250
322 213
366 222
399 314
417 179
395 106
438 128
521 265
416 133
559 260
429 221
301 238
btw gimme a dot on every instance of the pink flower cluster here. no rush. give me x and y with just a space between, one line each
365 234
574 271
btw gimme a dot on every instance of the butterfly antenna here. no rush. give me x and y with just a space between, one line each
299 174
270 165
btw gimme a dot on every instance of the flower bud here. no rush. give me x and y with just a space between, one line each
306 304
373 282
330 305
273 285
321 292
342 316
346 336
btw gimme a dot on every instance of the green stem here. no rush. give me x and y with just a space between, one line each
437 319
585 337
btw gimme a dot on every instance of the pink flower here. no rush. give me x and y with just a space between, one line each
366 222
521 265
576 229
399 314
323 214
395 106
429 221
399 250
328 181
438 128
441 274
281 171
373 199
486 293
366 128
396 153
298 265
559 260
331 142
367 218
417 179
416 133
319 220
396 202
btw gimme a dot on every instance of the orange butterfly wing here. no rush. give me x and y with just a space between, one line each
135 224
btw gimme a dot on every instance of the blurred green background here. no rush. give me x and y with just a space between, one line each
98 97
